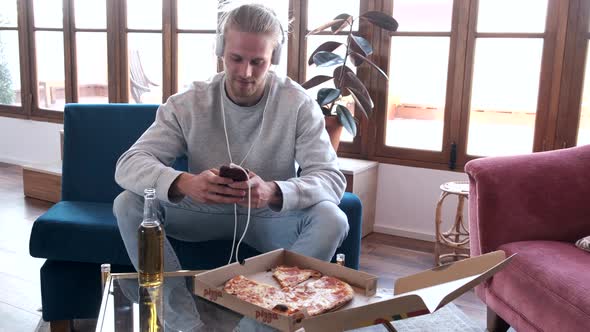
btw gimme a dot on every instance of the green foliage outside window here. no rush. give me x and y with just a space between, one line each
6 92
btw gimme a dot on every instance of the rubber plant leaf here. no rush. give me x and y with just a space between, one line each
361 100
355 84
355 59
346 21
328 46
346 118
325 26
381 20
327 59
360 45
315 81
327 95
340 77
359 105
355 55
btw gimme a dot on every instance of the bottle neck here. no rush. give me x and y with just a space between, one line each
150 208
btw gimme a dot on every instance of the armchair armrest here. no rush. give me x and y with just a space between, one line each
538 196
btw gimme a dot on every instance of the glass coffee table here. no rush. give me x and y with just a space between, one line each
171 307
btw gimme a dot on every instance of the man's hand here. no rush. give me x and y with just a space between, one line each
207 187
263 193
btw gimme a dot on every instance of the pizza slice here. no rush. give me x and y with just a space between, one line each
316 296
291 276
260 294
321 295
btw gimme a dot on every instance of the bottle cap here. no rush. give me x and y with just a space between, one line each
340 259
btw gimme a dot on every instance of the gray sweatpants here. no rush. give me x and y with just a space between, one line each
316 231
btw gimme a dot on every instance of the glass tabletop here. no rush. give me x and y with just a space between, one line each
171 306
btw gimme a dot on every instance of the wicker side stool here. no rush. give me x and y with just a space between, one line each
457 237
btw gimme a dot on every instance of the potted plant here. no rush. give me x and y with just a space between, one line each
333 101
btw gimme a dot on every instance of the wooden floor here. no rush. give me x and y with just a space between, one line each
386 256
20 294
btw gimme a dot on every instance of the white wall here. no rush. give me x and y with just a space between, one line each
25 142
406 196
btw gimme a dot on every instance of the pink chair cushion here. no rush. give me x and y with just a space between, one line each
546 277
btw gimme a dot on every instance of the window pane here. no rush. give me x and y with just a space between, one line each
512 16
144 14
584 125
91 53
195 63
9 69
48 13
417 92
320 12
50 69
423 15
90 14
8 16
504 96
200 15
145 68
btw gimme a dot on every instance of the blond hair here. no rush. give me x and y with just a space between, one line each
254 18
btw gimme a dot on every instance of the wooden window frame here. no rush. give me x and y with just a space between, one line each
565 43
36 112
456 119
572 80
457 52
22 111
547 72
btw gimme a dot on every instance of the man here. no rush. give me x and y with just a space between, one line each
249 116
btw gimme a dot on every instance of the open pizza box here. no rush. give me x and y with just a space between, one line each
414 295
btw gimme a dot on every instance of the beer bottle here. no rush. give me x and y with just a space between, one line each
151 243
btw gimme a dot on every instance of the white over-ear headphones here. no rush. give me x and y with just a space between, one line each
276 53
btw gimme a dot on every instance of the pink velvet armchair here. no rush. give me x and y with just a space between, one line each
536 205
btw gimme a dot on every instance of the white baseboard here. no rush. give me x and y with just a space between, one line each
12 161
403 233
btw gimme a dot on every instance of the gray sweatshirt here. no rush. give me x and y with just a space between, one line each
190 123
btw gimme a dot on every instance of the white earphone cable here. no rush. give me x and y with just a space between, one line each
239 166
224 125
236 220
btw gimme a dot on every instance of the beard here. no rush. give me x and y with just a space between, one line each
246 92
243 88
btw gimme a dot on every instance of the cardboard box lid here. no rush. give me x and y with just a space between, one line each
415 295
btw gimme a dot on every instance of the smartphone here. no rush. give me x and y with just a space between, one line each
233 173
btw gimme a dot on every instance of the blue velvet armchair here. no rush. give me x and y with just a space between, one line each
80 232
